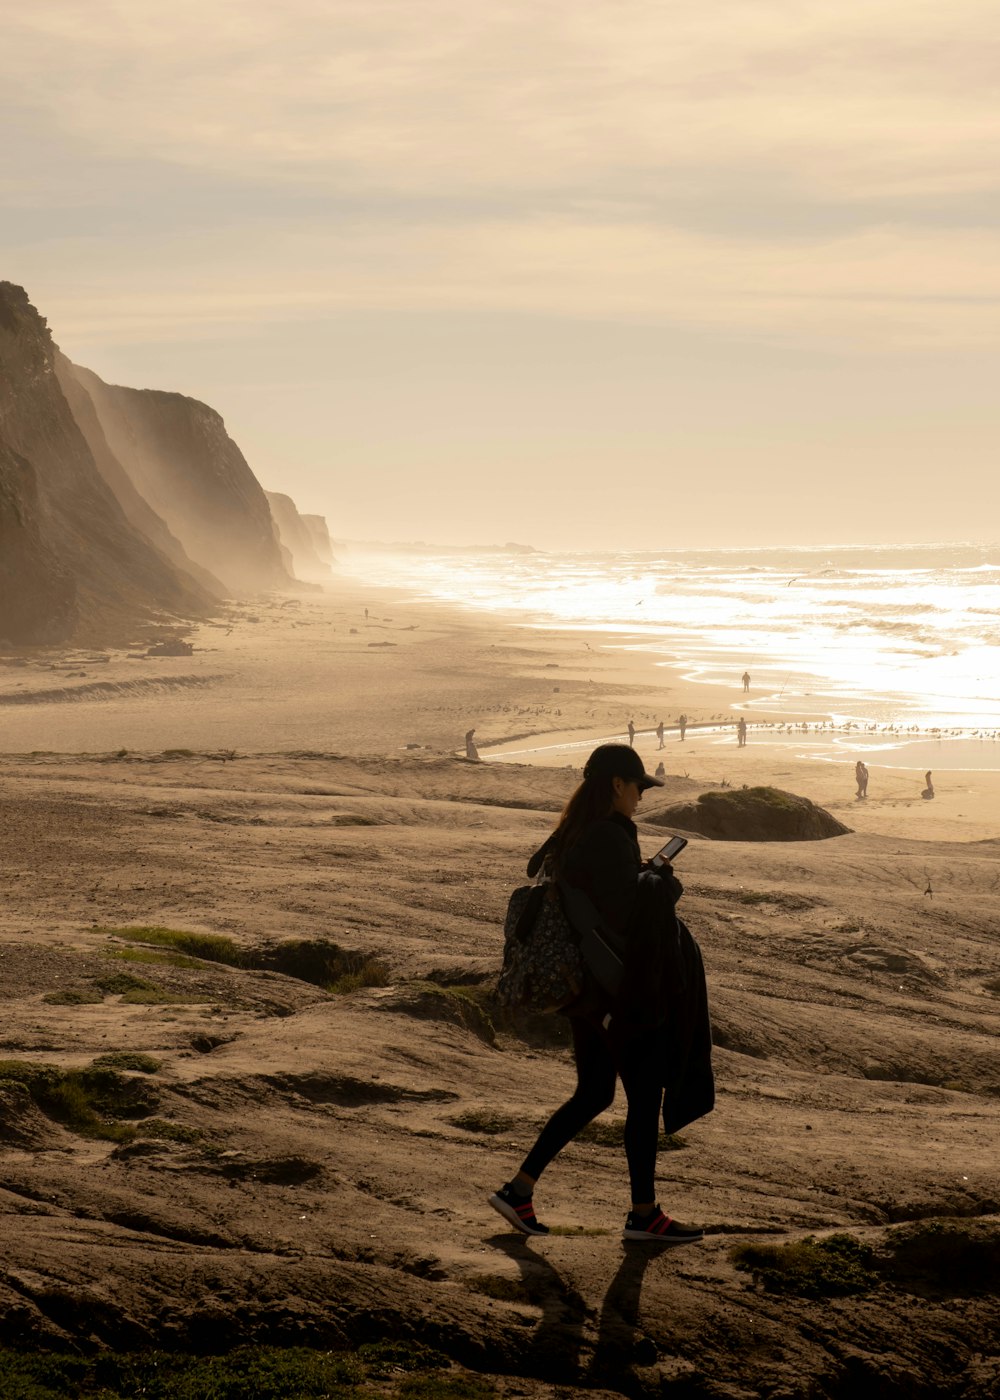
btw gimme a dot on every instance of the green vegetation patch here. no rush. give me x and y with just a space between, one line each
484 1120
73 996
385 1357
128 1059
136 991
163 1130
322 963
750 798
445 1388
829 1268
208 947
245 1373
318 961
90 1101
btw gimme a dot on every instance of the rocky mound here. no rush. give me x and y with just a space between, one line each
752 814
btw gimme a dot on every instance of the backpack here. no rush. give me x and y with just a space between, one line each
543 967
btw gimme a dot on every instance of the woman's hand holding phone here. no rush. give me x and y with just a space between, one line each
660 863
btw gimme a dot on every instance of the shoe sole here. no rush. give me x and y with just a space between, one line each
644 1237
511 1216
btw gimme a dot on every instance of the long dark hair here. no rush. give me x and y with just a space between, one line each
591 801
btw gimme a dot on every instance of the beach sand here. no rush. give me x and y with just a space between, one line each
300 777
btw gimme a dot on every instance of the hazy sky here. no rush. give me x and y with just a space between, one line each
627 272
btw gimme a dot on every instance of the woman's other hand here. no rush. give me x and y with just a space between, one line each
666 874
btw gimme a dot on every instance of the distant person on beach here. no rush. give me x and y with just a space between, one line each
660 771
653 1032
631 733
659 733
928 791
682 724
470 746
741 731
861 774
366 614
746 682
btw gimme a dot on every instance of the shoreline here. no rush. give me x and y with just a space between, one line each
283 675
859 647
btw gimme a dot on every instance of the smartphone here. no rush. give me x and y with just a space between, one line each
666 853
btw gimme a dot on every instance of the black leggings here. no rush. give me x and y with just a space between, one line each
596 1074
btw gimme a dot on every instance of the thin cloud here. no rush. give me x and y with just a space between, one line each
853 99
868 291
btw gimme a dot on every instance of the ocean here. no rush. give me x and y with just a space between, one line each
898 646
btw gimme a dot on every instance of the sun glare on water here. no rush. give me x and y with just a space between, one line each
915 645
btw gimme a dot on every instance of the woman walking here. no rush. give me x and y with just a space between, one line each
595 848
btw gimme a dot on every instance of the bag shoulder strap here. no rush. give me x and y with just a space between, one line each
538 859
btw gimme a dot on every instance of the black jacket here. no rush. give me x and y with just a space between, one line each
664 1004
662 1007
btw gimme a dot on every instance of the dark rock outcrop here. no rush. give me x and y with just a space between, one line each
752 814
296 536
184 464
87 572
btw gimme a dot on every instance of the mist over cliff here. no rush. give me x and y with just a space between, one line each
298 537
178 455
120 506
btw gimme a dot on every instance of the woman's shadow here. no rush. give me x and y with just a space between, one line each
618 1346
553 1350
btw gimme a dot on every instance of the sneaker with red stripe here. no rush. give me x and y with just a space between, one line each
657 1228
518 1210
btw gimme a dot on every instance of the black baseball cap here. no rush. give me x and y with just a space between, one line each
619 761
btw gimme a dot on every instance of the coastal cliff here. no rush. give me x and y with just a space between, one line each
179 457
72 565
297 536
120 506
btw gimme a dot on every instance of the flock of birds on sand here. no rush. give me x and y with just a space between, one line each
860 727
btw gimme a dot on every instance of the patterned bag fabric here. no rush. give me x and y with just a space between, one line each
542 964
